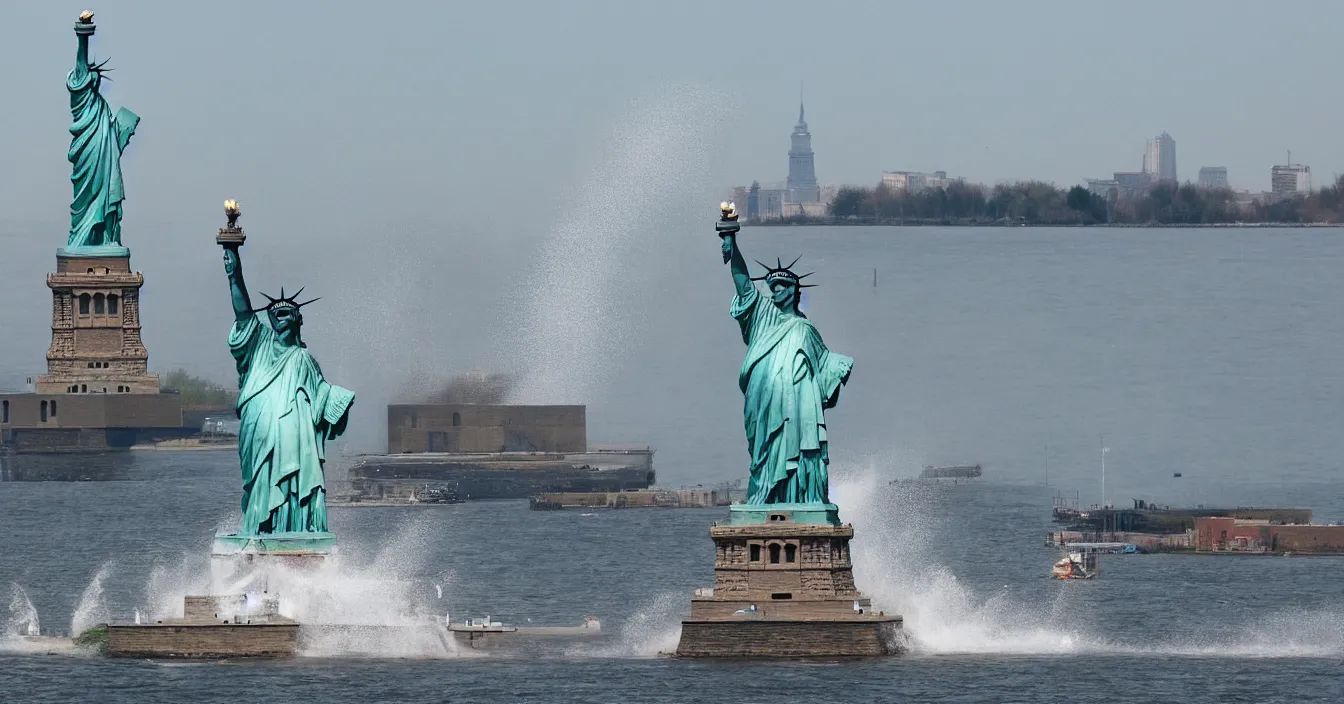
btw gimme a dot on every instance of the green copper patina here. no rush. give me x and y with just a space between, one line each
788 379
98 137
288 413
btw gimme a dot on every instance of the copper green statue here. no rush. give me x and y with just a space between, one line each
789 378
288 410
97 138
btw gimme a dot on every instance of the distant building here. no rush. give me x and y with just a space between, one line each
1246 199
1133 183
770 203
802 181
1160 158
916 181
449 427
1213 177
1105 188
938 179
1290 179
912 181
739 197
814 210
799 194
1229 534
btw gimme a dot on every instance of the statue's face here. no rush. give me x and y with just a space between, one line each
285 320
784 294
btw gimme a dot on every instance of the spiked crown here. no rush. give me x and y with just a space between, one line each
284 301
780 272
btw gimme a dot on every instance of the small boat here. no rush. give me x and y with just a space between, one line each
1176 475
433 495
489 634
1076 565
486 625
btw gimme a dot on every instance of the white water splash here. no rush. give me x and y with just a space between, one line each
893 555
895 562
349 605
92 608
23 619
653 629
650 172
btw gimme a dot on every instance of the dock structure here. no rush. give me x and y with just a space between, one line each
500 475
969 471
686 497
212 627
1147 517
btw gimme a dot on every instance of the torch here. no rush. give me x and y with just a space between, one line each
231 235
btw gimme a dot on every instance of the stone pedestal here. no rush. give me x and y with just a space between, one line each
784 587
95 326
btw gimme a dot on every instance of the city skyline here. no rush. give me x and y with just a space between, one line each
995 114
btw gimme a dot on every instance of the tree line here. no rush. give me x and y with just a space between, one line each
1041 203
196 392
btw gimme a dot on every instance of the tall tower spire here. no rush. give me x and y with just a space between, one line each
802 182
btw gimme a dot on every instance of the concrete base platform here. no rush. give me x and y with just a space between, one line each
182 639
212 627
747 638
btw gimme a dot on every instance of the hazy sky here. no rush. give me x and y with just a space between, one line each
434 169
396 103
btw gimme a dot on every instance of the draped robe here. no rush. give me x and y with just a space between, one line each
98 137
788 379
287 411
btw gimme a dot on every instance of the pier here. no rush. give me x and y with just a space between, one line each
691 497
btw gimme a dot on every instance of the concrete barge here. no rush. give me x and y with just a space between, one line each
692 497
1147 517
492 451
500 475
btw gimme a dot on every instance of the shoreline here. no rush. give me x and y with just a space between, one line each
386 504
182 448
1102 226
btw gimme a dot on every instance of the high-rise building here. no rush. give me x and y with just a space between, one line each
802 181
1290 179
1213 177
1159 159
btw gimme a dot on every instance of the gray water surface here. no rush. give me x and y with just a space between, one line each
1213 353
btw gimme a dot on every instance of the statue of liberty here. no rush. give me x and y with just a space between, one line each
288 413
98 137
788 379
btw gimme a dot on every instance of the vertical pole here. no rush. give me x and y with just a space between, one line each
1103 469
